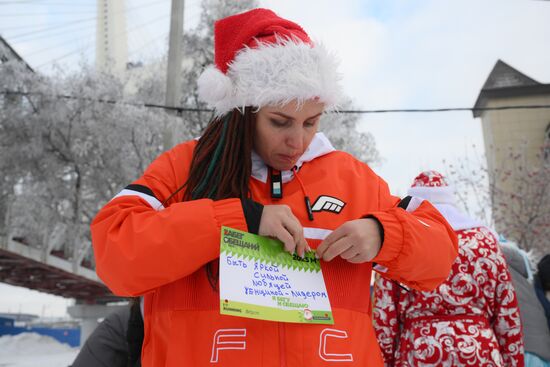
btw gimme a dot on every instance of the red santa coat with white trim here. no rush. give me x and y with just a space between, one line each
145 248
472 319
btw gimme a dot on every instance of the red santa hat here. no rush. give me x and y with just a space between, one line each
262 59
432 186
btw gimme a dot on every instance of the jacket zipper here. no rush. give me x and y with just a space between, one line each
282 348
277 193
306 198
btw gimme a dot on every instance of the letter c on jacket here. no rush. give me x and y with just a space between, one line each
332 357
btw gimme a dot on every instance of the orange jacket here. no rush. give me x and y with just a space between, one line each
145 248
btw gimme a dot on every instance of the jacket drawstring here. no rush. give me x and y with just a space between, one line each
306 198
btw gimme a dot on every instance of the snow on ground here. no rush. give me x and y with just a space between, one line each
32 350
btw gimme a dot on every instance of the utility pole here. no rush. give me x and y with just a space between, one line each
173 75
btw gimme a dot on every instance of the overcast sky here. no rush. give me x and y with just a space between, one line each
394 54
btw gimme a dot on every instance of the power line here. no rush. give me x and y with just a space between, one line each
190 109
56 34
87 44
17 36
56 46
48 4
46 13
26 26
47 29
27 3
152 41
107 101
15 2
156 38
20 2
449 109
61 29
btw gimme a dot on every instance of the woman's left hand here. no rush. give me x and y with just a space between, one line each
356 241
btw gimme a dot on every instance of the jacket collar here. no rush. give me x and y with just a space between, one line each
318 147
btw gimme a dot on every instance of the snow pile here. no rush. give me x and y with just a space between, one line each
26 343
32 349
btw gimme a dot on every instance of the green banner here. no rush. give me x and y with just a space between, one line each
246 245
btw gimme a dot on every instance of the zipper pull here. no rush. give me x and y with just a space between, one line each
308 208
276 184
306 198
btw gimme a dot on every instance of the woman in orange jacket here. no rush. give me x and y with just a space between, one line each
255 168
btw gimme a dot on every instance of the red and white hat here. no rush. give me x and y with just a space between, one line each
262 59
432 186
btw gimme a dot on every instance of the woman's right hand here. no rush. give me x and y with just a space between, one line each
279 222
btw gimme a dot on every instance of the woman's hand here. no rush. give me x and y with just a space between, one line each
356 241
278 222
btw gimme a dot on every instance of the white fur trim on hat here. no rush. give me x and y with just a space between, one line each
436 195
213 85
274 74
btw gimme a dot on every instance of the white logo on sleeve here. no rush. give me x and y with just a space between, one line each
227 339
328 204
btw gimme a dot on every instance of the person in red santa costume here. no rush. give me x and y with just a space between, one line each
472 319
255 168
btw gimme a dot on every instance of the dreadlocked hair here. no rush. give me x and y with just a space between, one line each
221 165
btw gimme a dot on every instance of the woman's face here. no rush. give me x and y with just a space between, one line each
283 134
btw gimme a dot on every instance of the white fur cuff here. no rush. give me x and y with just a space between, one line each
435 195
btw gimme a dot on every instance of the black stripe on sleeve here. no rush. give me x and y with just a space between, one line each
380 228
252 214
404 203
142 189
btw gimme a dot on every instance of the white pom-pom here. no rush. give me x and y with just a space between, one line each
214 86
